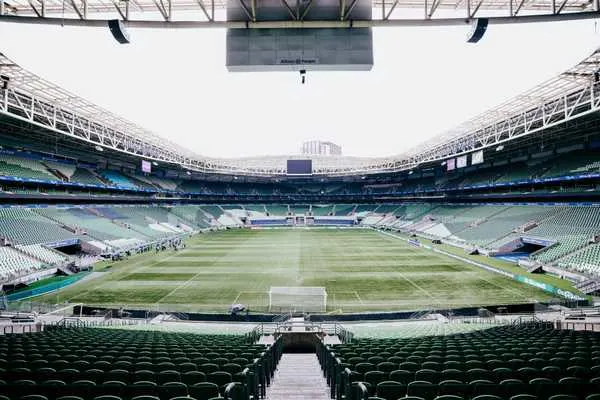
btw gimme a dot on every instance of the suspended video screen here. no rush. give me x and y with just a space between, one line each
299 167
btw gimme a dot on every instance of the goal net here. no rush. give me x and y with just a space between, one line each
297 299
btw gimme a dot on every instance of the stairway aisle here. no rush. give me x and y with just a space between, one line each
298 377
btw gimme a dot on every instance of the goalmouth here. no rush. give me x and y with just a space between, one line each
297 299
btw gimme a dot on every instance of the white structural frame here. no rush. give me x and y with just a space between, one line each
206 13
573 94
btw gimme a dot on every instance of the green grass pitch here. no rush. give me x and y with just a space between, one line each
362 270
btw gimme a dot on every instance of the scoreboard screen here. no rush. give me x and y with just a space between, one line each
299 167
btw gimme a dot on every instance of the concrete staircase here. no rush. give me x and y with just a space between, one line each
298 377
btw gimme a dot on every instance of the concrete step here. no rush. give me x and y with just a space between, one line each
298 377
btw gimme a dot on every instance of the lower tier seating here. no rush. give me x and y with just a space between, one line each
110 364
528 362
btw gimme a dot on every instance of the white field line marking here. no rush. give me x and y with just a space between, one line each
520 292
236 298
358 297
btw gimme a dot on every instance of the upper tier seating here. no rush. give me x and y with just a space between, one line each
574 164
531 362
118 179
93 362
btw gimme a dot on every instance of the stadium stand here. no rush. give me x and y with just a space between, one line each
321 210
506 362
116 178
14 263
25 226
585 260
85 176
43 254
277 209
343 209
118 364
24 168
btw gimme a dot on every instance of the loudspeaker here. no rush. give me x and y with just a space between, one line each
119 31
478 29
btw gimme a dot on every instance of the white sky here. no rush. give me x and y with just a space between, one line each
425 80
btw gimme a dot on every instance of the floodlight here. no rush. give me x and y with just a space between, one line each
119 31
500 148
99 148
4 79
478 28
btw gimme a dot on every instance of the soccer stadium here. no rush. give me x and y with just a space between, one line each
136 265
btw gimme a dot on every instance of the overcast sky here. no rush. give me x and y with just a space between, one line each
174 83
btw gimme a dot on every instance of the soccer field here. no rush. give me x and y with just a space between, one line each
362 270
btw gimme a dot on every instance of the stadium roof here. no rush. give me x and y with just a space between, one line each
198 13
570 95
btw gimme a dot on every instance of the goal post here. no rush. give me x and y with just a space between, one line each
297 299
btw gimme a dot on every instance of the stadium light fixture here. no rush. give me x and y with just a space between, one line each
188 172
4 80
500 148
478 28
155 163
411 172
99 148
443 163
119 31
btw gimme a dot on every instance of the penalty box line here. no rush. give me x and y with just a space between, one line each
247 291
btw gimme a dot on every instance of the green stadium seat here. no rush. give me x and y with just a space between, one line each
487 397
143 388
168 376
145 397
203 391
563 397
373 378
193 377
448 397
173 389
402 376
483 387
422 389
34 397
390 390
107 397
208 368
452 374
